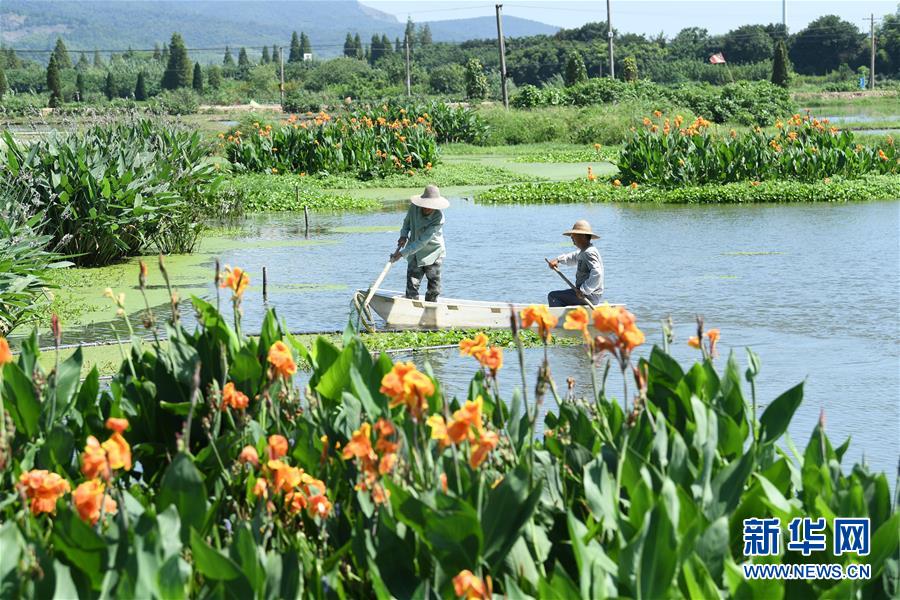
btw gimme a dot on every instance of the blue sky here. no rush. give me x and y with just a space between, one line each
644 16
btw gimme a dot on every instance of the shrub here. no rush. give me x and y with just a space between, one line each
247 487
672 153
183 101
476 81
116 189
258 192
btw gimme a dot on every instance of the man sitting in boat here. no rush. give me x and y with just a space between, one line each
589 270
422 243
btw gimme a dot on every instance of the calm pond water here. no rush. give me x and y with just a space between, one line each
813 289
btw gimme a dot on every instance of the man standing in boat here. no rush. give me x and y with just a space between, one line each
589 269
422 243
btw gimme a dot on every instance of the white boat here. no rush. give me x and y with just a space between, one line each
398 311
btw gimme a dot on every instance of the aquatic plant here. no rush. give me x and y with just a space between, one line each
875 187
373 482
670 152
323 144
257 192
115 189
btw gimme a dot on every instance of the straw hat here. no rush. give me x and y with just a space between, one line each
581 227
431 198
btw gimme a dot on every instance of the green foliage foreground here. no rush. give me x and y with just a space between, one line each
298 494
875 187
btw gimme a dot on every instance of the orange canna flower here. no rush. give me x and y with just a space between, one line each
43 488
236 279
577 320
539 314
486 442
116 424
278 446
632 338
657 114
492 359
319 506
474 346
443 479
468 586
282 360
286 477
249 455
590 175
713 335
89 497
405 384
93 460
118 452
694 342
360 444
5 354
617 183
633 185
234 398
261 488
438 429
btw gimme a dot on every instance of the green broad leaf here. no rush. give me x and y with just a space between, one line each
559 587
508 508
884 544
81 546
58 449
86 400
182 486
778 415
599 492
336 378
65 586
246 554
696 581
728 486
173 577
12 543
374 408
67 381
176 408
19 400
210 562
106 189
594 566
656 568
245 366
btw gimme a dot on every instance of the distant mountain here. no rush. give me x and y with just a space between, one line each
118 24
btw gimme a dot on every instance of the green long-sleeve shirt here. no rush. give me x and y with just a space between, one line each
425 244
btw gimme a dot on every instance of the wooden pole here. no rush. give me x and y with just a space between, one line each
609 35
502 45
872 54
265 286
408 82
281 58
306 219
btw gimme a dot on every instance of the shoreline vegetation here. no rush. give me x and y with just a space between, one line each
249 483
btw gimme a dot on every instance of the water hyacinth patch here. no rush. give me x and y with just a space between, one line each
371 481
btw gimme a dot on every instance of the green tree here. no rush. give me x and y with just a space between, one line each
691 43
214 77
425 35
629 69
157 55
264 59
109 86
295 54
197 83
376 50
228 60
349 48
79 87
887 44
276 54
824 44
780 64
386 45
83 63
576 72
476 81
243 59
4 86
305 45
98 61
140 88
178 69
398 45
448 79
62 55
53 83
357 43
747 44
164 55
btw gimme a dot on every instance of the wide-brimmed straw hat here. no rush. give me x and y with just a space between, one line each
581 227
431 198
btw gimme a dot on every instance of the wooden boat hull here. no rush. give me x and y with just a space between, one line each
398 311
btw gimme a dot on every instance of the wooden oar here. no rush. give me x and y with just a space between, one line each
568 281
374 287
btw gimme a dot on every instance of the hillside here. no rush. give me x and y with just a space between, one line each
114 24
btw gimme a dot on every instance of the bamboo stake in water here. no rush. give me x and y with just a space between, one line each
265 286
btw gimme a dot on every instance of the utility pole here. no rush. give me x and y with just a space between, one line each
502 45
872 57
784 15
281 59
408 86
609 35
